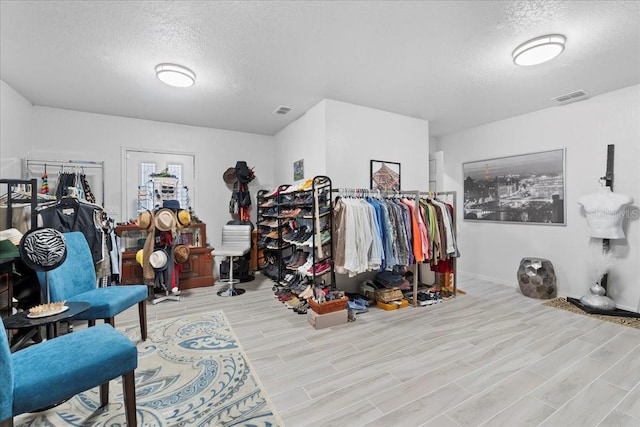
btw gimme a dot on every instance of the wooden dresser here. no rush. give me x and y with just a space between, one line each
196 272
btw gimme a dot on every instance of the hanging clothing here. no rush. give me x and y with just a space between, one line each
71 214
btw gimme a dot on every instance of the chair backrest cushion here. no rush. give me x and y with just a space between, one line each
236 236
76 274
6 376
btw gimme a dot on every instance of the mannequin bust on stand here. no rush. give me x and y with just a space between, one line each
605 213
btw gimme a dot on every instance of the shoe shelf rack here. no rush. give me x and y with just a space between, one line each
295 231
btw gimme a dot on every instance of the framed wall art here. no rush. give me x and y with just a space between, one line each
385 175
526 188
298 170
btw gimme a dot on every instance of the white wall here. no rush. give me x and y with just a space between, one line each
15 131
355 135
63 134
494 250
303 139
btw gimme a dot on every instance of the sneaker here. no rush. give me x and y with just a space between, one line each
325 236
319 268
272 193
306 266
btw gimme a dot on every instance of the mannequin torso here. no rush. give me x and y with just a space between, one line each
605 213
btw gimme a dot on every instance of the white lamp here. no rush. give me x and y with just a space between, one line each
539 50
175 75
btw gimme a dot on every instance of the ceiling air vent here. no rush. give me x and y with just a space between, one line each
282 110
577 95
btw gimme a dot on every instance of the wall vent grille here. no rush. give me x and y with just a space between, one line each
574 96
282 110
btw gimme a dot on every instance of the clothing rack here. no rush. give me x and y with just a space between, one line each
36 167
409 194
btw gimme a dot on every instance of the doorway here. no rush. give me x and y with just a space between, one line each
139 165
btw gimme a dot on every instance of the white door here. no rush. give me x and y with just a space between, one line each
139 164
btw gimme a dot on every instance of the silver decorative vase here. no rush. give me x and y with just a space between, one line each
597 299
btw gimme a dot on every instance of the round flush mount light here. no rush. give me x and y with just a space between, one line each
539 50
175 75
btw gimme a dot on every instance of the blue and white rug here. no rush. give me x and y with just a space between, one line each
192 371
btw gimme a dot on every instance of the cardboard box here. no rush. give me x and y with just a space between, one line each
320 321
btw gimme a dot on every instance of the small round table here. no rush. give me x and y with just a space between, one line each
22 321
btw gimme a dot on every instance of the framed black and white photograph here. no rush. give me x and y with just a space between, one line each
526 188
385 175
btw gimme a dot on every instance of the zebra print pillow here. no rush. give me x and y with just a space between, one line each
43 249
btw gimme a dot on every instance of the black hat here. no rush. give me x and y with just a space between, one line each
43 249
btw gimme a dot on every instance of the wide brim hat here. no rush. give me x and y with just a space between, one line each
12 234
184 218
43 249
8 250
181 254
229 176
158 259
165 220
144 220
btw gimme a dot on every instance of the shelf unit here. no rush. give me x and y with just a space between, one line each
297 222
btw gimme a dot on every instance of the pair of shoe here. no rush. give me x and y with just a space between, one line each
325 236
293 302
356 306
307 293
301 259
302 308
319 268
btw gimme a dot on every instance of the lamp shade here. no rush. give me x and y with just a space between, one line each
175 75
539 50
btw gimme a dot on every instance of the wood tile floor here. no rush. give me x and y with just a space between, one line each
491 357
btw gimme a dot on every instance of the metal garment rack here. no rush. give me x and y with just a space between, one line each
416 195
73 165
31 185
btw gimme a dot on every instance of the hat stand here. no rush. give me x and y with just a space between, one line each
168 295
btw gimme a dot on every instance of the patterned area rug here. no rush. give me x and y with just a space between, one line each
563 304
191 371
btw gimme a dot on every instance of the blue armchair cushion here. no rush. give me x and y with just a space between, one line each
59 368
108 301
6 376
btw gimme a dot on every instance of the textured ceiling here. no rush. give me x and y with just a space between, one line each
447 62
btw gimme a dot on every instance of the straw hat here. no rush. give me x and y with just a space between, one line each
144 220
165 220
181 254
11 234
158 259
184 218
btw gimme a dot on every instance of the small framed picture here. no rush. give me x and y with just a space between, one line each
385 175
298 170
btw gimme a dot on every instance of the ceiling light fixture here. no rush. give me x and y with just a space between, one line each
175 75
539 50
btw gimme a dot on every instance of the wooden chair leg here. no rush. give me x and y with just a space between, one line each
129 391
7 423
92 323
142 311
104 394
111 321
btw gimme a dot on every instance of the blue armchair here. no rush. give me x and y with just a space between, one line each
75 280
45 374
